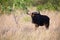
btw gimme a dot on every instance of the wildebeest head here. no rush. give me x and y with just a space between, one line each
33 13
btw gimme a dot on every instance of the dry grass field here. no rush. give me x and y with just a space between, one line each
21 28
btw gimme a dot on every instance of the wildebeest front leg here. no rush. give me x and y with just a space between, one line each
36 26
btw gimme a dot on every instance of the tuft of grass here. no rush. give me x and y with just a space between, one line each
26 18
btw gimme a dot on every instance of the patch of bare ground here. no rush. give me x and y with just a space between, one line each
19 27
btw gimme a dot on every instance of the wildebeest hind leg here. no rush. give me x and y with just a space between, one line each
47 26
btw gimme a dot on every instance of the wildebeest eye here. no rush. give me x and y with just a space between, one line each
32 14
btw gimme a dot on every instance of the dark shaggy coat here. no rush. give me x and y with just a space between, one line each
40 20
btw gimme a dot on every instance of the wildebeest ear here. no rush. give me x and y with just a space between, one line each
28 12
39 13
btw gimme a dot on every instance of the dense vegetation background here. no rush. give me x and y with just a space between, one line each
10 5
18 25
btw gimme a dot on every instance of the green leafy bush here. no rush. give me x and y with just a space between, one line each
9 5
